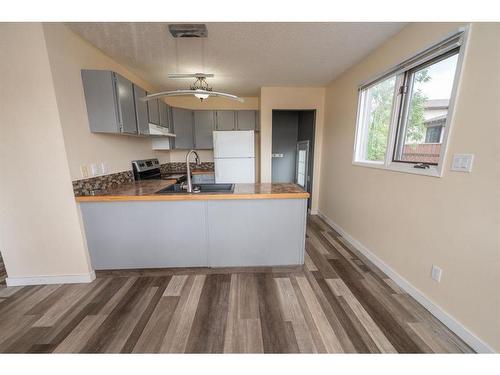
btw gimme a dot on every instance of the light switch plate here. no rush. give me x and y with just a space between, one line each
95 169
85 171
104 167
436 273
462 162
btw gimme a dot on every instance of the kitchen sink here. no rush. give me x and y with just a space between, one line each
198 188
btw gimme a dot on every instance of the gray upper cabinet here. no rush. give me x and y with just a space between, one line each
226 120
246 120
182 124
141 111
126 104
153 112
204 125
110 102
163 110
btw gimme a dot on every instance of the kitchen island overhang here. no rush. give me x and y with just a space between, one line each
256 225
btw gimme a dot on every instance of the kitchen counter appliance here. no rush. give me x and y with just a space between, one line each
234 156
149 169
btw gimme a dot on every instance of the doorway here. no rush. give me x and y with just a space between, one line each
293 148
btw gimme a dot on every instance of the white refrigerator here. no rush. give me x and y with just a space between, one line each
234 156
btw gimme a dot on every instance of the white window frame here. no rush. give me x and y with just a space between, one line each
399 72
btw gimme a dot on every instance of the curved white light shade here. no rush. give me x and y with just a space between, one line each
200 94
190 75
192 92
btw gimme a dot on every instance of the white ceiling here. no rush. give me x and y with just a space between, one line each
243 56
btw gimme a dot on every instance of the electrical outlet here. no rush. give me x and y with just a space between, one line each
436 273
84 170
95 169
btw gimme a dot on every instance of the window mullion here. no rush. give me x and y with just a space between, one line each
403 115
398 102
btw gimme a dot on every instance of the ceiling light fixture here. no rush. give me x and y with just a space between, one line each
199 88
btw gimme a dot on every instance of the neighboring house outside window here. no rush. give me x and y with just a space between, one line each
433 133
435 112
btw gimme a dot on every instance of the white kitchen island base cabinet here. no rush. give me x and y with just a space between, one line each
201 233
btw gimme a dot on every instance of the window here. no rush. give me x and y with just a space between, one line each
377 103
428 100
404 115
301 170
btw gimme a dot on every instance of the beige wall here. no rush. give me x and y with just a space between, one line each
291 98
40 232
68 54
412 221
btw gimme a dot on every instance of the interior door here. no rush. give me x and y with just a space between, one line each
284 146
302 161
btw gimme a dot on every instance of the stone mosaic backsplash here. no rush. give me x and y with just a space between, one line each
179 167
93 185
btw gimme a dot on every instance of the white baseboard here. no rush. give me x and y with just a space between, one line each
41 280
454 325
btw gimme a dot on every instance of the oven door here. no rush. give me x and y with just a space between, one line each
152 174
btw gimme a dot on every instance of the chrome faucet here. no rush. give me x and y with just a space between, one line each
188 169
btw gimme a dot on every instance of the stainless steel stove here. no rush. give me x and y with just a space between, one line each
149 169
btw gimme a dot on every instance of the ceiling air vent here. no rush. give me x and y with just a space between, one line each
191 30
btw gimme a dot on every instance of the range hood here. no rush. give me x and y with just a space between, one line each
159 131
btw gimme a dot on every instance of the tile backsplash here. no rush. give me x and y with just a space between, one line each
90 186
179 167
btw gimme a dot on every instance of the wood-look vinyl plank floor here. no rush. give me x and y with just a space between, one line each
338 302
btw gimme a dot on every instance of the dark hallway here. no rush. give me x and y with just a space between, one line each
293 147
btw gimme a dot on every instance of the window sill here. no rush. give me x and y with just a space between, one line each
372 164
432 171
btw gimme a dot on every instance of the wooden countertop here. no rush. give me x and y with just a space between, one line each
145 191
